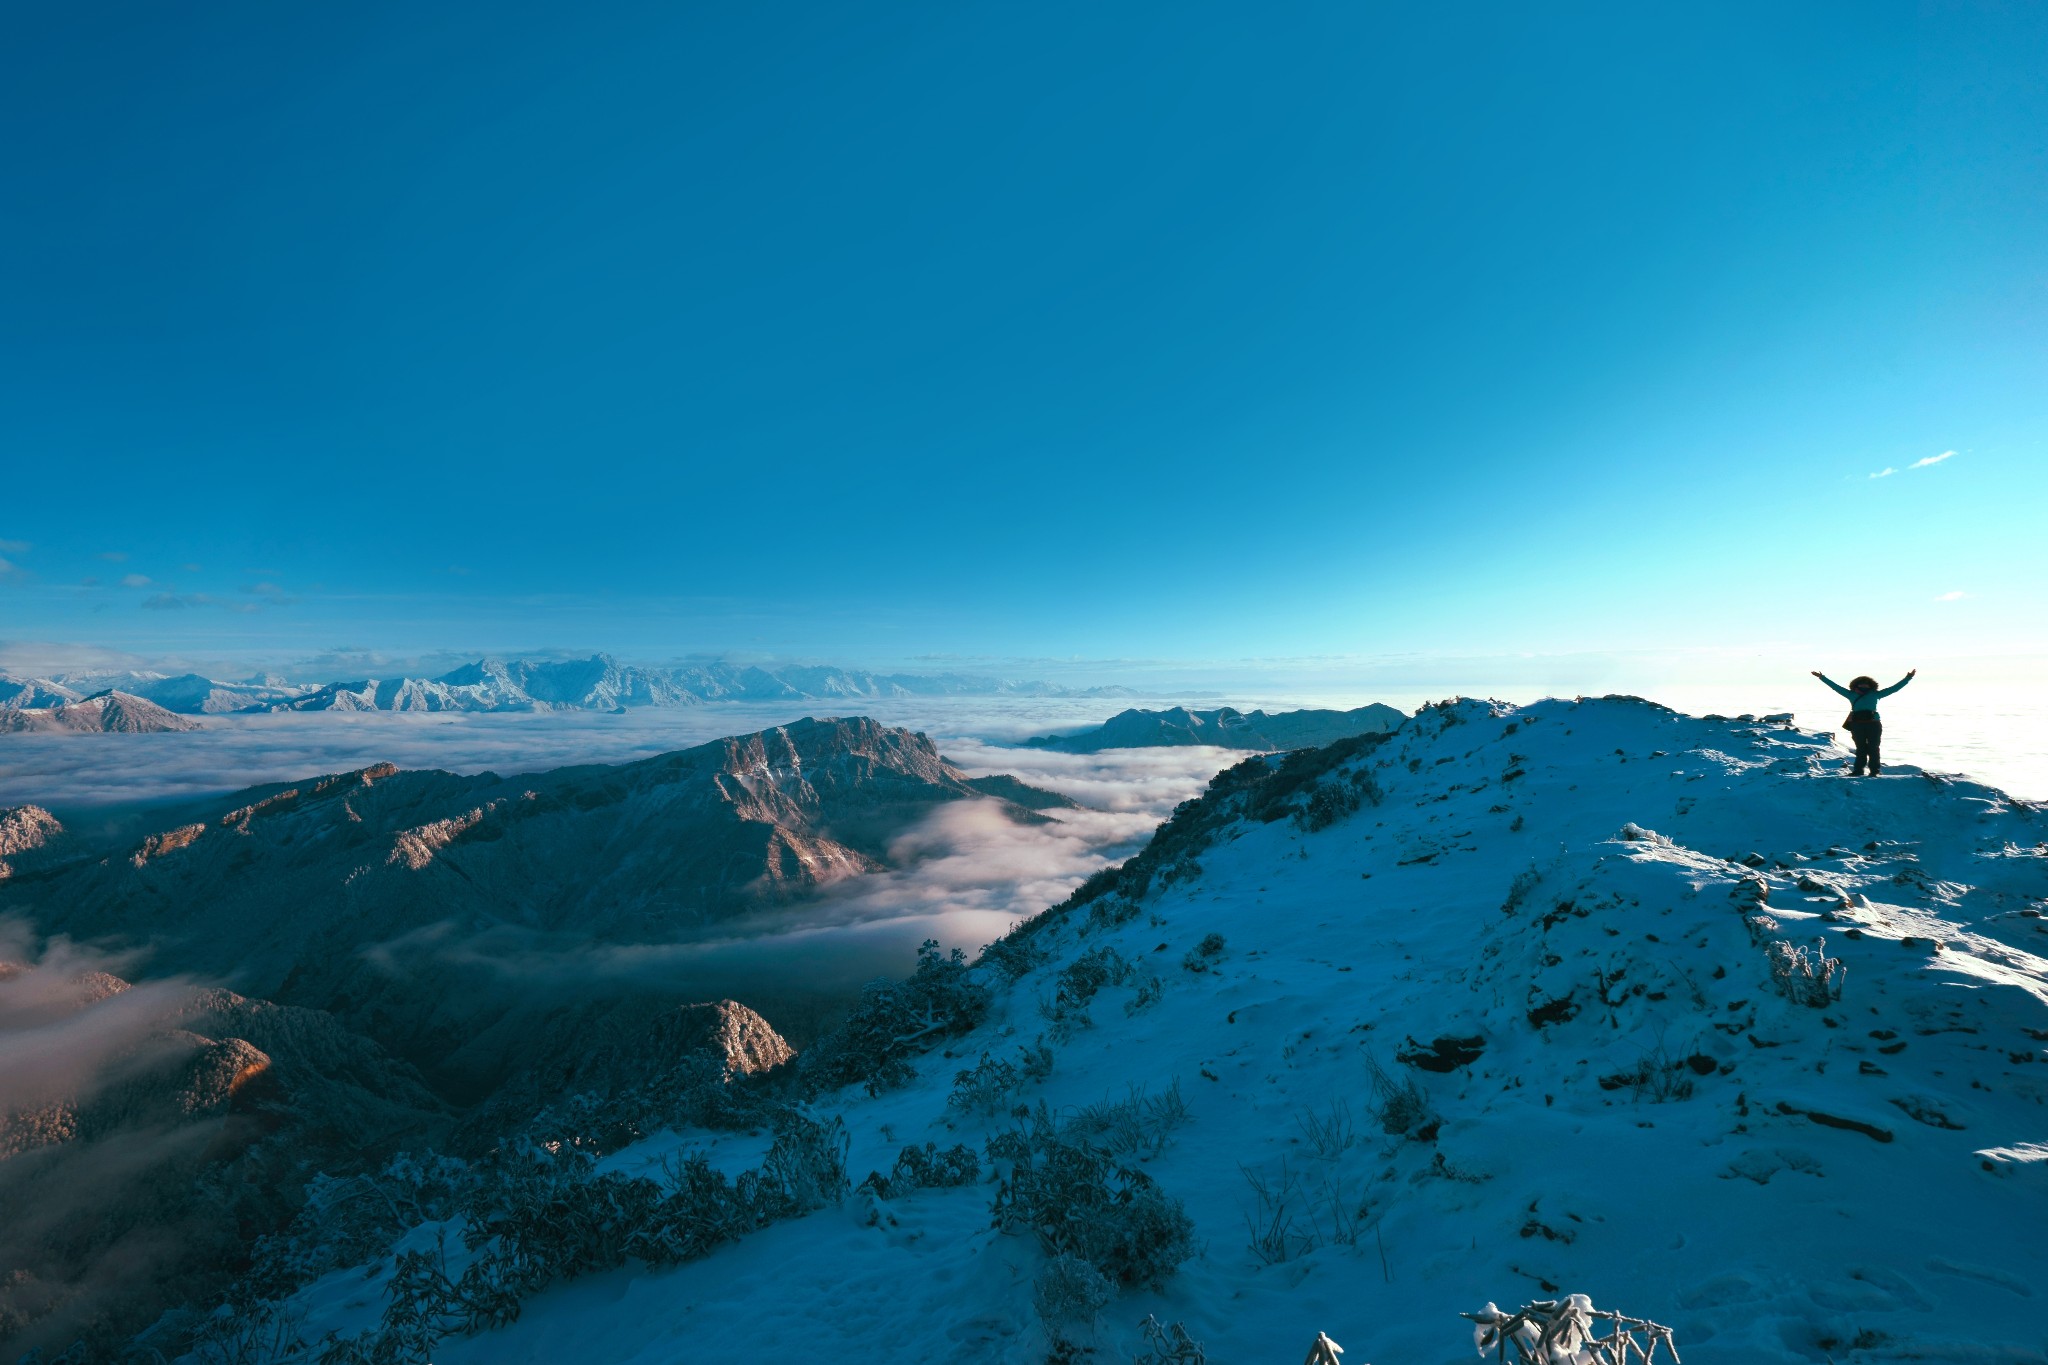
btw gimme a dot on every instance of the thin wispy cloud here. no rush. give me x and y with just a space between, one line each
14 547
1926 463
171 601
134 580
1956 596
8 569
113 556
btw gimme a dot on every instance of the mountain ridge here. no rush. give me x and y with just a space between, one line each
492 683
110 712
1225 727
394 877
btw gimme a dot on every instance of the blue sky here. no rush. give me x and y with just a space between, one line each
1013 333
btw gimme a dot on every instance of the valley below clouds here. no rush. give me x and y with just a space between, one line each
961 874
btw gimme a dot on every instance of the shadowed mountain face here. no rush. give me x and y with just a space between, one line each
1226 728
107 713
391 898
146 1133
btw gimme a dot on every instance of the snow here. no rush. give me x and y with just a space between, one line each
1860 1181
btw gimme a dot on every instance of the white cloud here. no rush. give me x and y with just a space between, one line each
1932 459
1956 596
134 580
14 547
1884 473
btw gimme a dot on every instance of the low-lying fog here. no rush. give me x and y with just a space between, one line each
963 876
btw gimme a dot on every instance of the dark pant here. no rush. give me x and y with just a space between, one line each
1867 736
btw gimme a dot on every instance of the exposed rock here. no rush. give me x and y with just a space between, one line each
24 830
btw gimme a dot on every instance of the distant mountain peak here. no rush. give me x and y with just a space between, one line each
103 712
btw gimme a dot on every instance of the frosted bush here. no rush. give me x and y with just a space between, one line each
1805 978
1080 1201
1400 1107
923 1168
894 1021
1069 1294
1168 1343
1548 1331
1137 1125
1205 954
1518 890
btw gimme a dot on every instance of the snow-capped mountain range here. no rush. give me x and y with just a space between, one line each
598 683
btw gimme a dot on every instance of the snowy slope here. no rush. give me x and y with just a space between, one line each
1549 912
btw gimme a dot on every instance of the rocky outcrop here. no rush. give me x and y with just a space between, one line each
24 831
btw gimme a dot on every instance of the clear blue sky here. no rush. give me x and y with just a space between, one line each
1178 331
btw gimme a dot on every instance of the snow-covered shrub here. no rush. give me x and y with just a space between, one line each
1290 1216
347 1220
1399 1107
1656 1078
694 1092
893 1021
1329 1134
1518 890
1069 1294
1139 1124
1805 978
805 1168
1305 785
1325 804
1091 972
988 1086
1081 1201
1110 912
1014 954
926 1168
1547 1331
1203 955
1168 1343
534 1216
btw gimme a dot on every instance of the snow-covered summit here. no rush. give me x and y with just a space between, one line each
1579 997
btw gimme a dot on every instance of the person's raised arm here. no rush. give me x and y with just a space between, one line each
1837 686
1900 683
